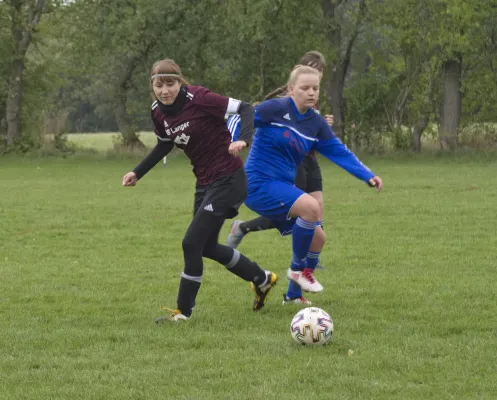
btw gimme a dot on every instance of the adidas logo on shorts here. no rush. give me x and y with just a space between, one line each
208 208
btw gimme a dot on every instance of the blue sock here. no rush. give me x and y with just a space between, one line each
302 234
313 259
294 290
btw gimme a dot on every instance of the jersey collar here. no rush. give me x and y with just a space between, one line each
298 115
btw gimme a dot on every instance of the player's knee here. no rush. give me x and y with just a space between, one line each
189 245
311 212
319 198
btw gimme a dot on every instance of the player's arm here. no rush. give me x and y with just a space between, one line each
161 149
265 112
233 125
241 124
333 149
263 115
223 107
246 131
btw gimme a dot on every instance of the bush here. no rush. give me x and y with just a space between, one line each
479 136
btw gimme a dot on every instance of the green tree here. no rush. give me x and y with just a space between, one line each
343 21
24 17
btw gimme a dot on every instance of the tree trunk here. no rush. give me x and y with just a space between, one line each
417 132
451 108
14 100
334 95
124 122
335 80
24 18
123 119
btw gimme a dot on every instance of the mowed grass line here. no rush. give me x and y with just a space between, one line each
104 141
85 264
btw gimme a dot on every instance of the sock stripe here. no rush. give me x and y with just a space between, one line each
234 259
266 281
312 254
305 224
192 278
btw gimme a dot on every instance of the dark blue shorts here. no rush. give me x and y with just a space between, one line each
274 200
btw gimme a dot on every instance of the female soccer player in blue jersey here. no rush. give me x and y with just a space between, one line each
288 128
193 119
308 179
308 172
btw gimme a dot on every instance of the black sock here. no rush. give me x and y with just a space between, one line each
246 269
220 253
256 224
187 294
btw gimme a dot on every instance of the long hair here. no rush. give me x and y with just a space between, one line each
314 59
280 92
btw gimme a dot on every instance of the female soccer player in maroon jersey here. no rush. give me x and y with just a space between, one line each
193 119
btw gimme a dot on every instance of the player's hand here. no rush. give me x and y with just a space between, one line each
236 147
376 182
329 119
129 179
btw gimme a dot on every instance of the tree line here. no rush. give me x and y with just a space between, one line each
396 69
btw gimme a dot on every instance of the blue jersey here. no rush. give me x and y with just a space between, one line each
234 126
284 136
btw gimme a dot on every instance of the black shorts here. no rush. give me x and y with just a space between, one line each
309 177
223 197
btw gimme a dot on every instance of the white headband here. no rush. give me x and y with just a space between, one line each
164 75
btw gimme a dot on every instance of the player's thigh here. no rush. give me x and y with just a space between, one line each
199 197
305 207
273 199
225 196
203 229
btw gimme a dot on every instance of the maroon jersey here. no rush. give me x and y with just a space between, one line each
200 130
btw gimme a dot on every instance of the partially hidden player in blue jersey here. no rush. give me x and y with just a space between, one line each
287 129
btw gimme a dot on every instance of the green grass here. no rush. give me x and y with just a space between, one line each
85 264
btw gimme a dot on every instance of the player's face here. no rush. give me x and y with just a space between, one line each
166 91
305 91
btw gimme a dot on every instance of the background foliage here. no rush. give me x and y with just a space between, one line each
390 79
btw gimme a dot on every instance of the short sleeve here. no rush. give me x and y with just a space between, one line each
266 111
217 105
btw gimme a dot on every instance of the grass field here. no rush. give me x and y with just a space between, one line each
85 265
104 141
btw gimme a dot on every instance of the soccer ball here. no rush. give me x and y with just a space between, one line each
311 326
